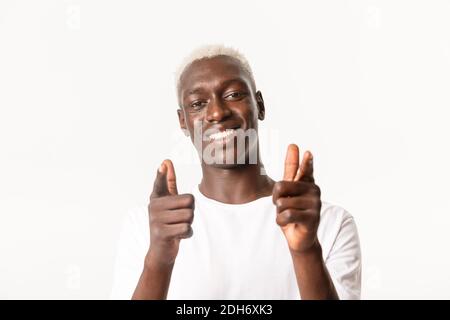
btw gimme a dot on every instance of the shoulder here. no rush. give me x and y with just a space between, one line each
341 250
333 214
335 223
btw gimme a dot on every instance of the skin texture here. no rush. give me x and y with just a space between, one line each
219 94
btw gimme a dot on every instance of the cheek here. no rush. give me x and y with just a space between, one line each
248 113
192 120
195 125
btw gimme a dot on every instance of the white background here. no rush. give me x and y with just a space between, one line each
87 113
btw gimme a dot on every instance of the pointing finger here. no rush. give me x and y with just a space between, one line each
171 177
291 162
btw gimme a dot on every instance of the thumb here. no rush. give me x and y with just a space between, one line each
306 170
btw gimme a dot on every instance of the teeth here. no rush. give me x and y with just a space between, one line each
221 134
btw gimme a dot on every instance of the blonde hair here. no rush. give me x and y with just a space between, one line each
210 51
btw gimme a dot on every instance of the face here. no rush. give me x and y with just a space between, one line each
220 109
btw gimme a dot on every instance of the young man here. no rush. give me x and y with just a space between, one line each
240 234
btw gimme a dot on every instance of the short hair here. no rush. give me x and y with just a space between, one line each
211 51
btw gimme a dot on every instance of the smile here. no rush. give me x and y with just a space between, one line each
221 135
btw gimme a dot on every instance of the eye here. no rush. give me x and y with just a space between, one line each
197 105
235 95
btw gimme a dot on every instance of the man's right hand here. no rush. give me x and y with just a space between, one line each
171 216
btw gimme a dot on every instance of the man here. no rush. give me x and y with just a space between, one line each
239 234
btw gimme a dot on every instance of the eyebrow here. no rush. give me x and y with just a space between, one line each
223 84
195 90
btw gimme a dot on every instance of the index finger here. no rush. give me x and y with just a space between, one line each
291 163
171 177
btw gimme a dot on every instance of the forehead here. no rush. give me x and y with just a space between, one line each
212 71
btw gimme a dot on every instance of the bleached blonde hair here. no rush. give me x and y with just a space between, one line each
210 51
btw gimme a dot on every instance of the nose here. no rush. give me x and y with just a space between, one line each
217 111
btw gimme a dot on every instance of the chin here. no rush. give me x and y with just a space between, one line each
226 166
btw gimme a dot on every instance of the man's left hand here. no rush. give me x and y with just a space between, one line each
298 203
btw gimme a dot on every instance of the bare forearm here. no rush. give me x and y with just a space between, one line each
154 281
313 279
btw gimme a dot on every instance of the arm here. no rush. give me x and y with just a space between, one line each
313 279
171 216
154 281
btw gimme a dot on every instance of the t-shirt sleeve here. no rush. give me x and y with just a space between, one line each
344 260
131 250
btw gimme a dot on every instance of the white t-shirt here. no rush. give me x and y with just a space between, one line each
238 251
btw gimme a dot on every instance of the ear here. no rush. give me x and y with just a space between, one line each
260 105
182 121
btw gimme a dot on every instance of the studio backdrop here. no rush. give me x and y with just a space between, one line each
88 112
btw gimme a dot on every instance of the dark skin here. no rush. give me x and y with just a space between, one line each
218 93
227 90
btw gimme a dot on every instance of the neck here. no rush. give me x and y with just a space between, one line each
236 185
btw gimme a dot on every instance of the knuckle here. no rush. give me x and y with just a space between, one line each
190 215
186 230
289 214
152 219
278 187
156 232
280 202
188 200
279 220
317 190
316 202
190 233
